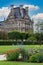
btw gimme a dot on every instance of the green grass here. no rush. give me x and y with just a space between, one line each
3 49
18 63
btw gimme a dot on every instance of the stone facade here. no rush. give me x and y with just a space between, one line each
18 19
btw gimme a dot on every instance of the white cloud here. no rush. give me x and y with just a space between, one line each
31 7
38 16
4 11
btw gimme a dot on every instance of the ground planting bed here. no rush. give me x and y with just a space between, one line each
3 49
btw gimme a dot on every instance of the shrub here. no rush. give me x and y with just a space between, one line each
21 54
7 42
12 55
25 55
27 42
38 57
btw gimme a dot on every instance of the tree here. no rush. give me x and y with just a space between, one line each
15 35
32 38
39 37
39 27
3 35
23 36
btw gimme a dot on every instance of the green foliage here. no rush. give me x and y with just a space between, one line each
14 35
24 35
8 42
12 55
25 55
18 35
3 35
30 32
29 38
32 38
38 57
12 42
34 56
39 36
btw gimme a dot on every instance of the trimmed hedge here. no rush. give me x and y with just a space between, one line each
7 42
32 43
13 42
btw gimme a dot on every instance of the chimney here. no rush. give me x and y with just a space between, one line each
26 8
21 10
21 6
12 7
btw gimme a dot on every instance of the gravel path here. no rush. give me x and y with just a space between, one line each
3 57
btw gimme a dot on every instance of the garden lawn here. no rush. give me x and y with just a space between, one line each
18 63
3 49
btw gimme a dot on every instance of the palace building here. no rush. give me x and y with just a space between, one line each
18 19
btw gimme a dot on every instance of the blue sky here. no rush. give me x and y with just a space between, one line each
18 2
39 3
